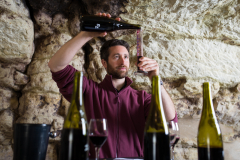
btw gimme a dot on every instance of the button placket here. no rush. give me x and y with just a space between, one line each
118 101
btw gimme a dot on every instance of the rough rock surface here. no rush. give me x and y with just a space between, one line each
16 51
17 39
190 38
6 152
193 42
6 132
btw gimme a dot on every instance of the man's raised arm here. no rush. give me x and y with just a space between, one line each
152 67
66 53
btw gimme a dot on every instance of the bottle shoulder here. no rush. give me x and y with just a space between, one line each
72 118
209 133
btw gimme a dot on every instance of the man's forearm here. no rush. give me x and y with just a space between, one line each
66 53
168 105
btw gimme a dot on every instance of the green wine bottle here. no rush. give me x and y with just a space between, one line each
74 139
95 23
156 134
210 145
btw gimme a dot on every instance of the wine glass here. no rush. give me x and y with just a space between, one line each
98 133
174 136
140 52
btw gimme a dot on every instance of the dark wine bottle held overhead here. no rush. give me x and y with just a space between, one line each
101 24
156 134
210 145
74 138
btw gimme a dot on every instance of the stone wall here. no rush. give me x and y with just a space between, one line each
193 41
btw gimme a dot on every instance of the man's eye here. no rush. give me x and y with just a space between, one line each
116 56
126 56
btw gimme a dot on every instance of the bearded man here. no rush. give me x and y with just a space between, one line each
124 108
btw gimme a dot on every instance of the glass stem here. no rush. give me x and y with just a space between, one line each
97 153
172 152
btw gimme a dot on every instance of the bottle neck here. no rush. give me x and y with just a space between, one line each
207 101
75 93
209 133
156 95
76 117
122 25
80 98
156 90
156 111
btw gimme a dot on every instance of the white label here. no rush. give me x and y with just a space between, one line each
86 147
97 26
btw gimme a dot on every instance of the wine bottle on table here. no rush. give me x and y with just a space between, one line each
100 24
210 145
156 134
74 139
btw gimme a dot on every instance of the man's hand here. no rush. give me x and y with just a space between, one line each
149 65
152 67
66 53
99 34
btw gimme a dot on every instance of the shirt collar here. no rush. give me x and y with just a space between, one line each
108 82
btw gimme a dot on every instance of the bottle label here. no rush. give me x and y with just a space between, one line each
86 147
97 26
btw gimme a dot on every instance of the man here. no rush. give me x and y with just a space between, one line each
124 108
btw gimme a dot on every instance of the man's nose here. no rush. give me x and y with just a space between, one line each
123 60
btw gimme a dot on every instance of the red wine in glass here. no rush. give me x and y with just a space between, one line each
140 52
98 133
172 138
138 57
175 141
98 141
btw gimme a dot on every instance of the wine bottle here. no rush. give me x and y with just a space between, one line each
101 24
74 139
156 133
210 145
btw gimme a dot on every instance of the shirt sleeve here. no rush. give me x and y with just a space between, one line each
64 79
147 104
175 119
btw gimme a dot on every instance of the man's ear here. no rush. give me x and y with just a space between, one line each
104 63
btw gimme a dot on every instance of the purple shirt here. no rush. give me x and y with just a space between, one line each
125 111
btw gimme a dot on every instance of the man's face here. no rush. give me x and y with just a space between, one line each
118 62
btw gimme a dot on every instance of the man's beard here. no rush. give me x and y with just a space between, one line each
117 74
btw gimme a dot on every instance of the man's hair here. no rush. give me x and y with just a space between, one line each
104 51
